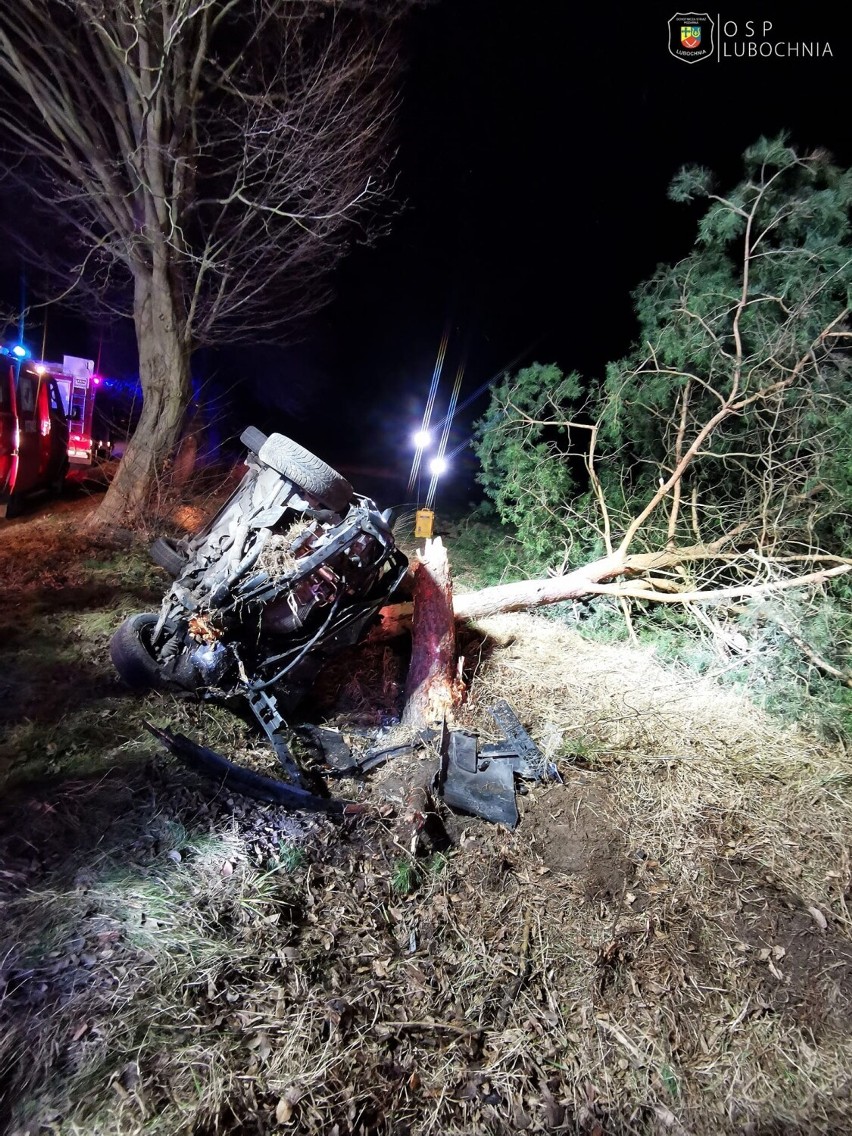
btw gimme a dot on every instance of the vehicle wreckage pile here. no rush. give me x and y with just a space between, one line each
294 568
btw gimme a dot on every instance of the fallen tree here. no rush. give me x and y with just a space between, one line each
709 466
433 688
589 581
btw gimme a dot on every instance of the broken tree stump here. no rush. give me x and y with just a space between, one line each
419 828
432 689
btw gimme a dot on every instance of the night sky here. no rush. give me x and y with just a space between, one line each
536 144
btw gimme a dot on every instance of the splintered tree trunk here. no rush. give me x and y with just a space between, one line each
432 689
166 389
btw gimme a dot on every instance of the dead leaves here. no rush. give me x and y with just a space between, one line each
818 918
287 1105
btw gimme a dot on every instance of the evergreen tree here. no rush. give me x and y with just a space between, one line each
721 440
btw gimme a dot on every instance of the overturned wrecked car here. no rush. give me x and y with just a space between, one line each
292 569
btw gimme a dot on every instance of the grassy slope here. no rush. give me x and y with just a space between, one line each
663 945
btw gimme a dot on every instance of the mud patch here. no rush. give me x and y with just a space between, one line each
574 829
797 966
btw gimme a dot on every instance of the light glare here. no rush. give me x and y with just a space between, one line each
437 466
421 439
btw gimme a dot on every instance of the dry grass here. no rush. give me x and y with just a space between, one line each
662 946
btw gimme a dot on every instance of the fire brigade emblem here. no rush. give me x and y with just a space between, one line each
691 36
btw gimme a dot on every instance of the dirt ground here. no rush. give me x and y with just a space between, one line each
662 945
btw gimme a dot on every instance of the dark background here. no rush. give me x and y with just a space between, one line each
536 144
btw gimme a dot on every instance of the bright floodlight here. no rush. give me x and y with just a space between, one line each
421 439
20 351
437 466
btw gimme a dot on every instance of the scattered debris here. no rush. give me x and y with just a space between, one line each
482 781
246 781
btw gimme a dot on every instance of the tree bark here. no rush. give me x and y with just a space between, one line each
432 689
534 593
166 390
186 459
600 578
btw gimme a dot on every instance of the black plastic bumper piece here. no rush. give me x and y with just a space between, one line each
246 781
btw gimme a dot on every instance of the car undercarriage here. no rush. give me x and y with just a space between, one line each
291 570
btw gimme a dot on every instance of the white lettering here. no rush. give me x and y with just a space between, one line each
780 50
767 28
749 27
729 24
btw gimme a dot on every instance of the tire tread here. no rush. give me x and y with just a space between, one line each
307 471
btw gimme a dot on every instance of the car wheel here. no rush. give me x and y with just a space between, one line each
57 486
133 657
131 653
14 506
307 471
165 555
253 439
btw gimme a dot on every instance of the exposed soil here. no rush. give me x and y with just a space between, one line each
575 830
797 965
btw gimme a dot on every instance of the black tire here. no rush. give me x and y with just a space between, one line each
307 471
57 486
165 555
253 439
130 651
14 506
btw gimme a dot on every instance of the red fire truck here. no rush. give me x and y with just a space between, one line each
78 385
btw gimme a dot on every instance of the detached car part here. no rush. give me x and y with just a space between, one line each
481 781
247 781
291 570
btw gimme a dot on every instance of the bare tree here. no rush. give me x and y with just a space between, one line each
212 155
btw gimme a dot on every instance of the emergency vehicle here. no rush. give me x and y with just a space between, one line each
78 385
33 431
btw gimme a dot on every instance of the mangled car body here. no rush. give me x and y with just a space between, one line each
292 569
